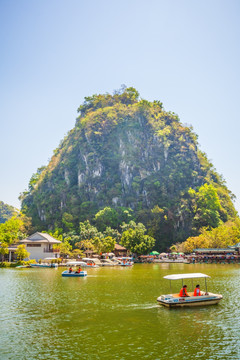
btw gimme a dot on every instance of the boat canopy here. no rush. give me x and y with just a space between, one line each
76 263
185 276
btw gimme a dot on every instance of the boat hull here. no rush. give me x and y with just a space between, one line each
66 273
92 266
171 301
107 264
126 264
44 265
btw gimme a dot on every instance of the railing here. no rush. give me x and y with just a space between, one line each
50 250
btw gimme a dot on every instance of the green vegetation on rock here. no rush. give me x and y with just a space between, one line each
6 212
226 234
128 159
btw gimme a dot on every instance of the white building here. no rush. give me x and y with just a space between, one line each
40 246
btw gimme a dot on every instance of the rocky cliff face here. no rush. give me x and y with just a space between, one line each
122 153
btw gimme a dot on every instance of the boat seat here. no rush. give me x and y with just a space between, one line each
177 295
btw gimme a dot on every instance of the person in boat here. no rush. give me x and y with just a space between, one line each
70 269
78 270
183 291
197 291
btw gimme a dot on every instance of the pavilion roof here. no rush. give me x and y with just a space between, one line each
119 247
40 238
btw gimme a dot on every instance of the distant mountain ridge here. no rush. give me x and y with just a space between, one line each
129 153
6 212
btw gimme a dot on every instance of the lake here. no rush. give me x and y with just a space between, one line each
113 314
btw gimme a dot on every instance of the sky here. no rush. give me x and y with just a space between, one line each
55 52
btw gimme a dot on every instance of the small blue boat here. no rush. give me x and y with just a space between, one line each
126 261
66 273
44 265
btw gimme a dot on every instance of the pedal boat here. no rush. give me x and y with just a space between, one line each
126 261
174 300
74 273
66 273
85 263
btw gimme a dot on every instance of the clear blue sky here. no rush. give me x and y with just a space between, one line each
55 52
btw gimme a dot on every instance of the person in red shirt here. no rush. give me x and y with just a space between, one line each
197 291
78 270
183 291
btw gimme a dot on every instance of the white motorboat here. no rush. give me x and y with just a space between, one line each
90 262
116 261
107 262
175 300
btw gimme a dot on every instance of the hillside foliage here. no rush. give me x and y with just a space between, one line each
15 229
6 212
127 159
226 234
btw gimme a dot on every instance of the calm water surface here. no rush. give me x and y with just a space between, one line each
113 314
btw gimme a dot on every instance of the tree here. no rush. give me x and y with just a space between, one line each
108 244
77 253
135 240
132 225
104 245
206 206
4 250
21 252
97 243
225 235
106 217
179 247
73 238
173 248
113 233
85 245
87 231
65 249
12 230
113 218
129 96
67 220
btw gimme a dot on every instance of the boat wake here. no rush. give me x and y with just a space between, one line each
141 306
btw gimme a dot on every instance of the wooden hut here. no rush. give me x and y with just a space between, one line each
120 251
